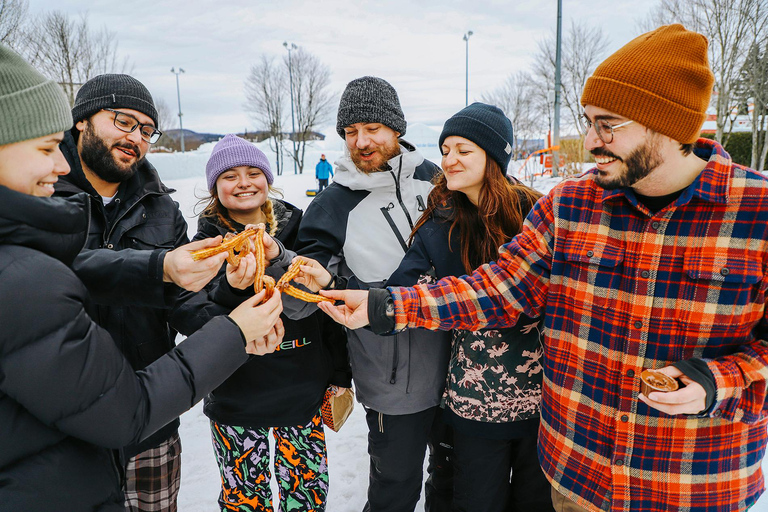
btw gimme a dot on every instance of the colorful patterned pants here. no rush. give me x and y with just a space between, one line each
301 467
153 478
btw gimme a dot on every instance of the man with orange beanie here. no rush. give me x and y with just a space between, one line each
655 259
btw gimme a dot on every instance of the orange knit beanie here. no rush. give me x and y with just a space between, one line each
660 79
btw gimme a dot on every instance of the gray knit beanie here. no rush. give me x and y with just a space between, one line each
32 106
486 126
232 151
370 100
113 91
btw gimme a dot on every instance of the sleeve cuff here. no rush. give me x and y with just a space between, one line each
379 300
698 371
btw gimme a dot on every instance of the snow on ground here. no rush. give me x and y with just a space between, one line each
347 450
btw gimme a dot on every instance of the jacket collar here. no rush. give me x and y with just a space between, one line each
403 165
56 226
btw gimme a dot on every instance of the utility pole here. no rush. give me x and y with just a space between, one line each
178 96
558 87
467 35
293 123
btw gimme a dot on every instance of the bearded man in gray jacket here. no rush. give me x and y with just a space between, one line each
358 230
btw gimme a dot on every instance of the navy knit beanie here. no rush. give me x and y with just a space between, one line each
370 100
113 91
486 126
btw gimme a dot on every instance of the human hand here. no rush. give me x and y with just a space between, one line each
690 399
243 275
337 390
353 313
271 248
180 268
260 323
313 275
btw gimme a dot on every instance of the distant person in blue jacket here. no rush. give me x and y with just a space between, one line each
323 170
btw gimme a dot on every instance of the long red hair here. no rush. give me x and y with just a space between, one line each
501 209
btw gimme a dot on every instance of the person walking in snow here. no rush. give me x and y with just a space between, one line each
323 170
655 259
357 228
279 393
68 397
493 390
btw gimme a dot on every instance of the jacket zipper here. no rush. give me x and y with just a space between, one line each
397 191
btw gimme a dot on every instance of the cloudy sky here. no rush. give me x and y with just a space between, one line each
415 45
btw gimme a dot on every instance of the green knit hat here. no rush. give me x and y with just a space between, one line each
32 106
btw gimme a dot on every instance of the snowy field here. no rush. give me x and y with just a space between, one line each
347 450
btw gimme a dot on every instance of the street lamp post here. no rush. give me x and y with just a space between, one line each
290 47
558 86
466 90
178 96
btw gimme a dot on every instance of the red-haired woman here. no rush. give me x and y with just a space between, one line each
494 381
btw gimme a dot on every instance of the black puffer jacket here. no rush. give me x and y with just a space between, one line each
280 389
67 394
126 279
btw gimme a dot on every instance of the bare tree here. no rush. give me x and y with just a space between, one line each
265 92
69 51
583 51
312 101
12 14
727 25
517 97
167 120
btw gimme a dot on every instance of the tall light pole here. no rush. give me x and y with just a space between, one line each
466 89
556 122
178 96
290 47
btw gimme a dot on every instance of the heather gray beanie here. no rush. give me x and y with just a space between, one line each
113 91
370 100
32 106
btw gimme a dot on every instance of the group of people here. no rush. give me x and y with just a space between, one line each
497 331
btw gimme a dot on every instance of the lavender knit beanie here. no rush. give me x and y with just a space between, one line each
232 151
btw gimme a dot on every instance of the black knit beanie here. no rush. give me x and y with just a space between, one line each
113 91
486 126
370 100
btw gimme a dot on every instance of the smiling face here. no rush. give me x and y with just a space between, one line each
33 166
371 145
464 166
109 153
242 191
631 156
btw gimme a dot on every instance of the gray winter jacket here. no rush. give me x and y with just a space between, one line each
357 228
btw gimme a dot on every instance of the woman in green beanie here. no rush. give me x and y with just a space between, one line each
67 395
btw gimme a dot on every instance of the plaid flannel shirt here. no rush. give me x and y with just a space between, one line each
623 289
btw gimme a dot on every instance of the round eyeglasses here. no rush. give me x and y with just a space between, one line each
603 128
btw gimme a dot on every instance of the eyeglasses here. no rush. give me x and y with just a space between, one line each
603 128
127 123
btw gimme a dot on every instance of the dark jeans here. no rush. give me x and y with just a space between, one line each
397 445
321 184
482 476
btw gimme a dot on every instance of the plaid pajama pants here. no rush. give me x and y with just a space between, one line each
301 467
153 478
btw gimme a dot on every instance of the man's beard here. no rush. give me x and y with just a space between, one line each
99 159
639 164
386 152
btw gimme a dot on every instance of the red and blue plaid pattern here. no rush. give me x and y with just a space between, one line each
622 289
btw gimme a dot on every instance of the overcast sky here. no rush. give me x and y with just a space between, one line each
415 45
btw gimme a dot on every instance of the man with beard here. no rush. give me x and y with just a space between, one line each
133 259
358 228
654 260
